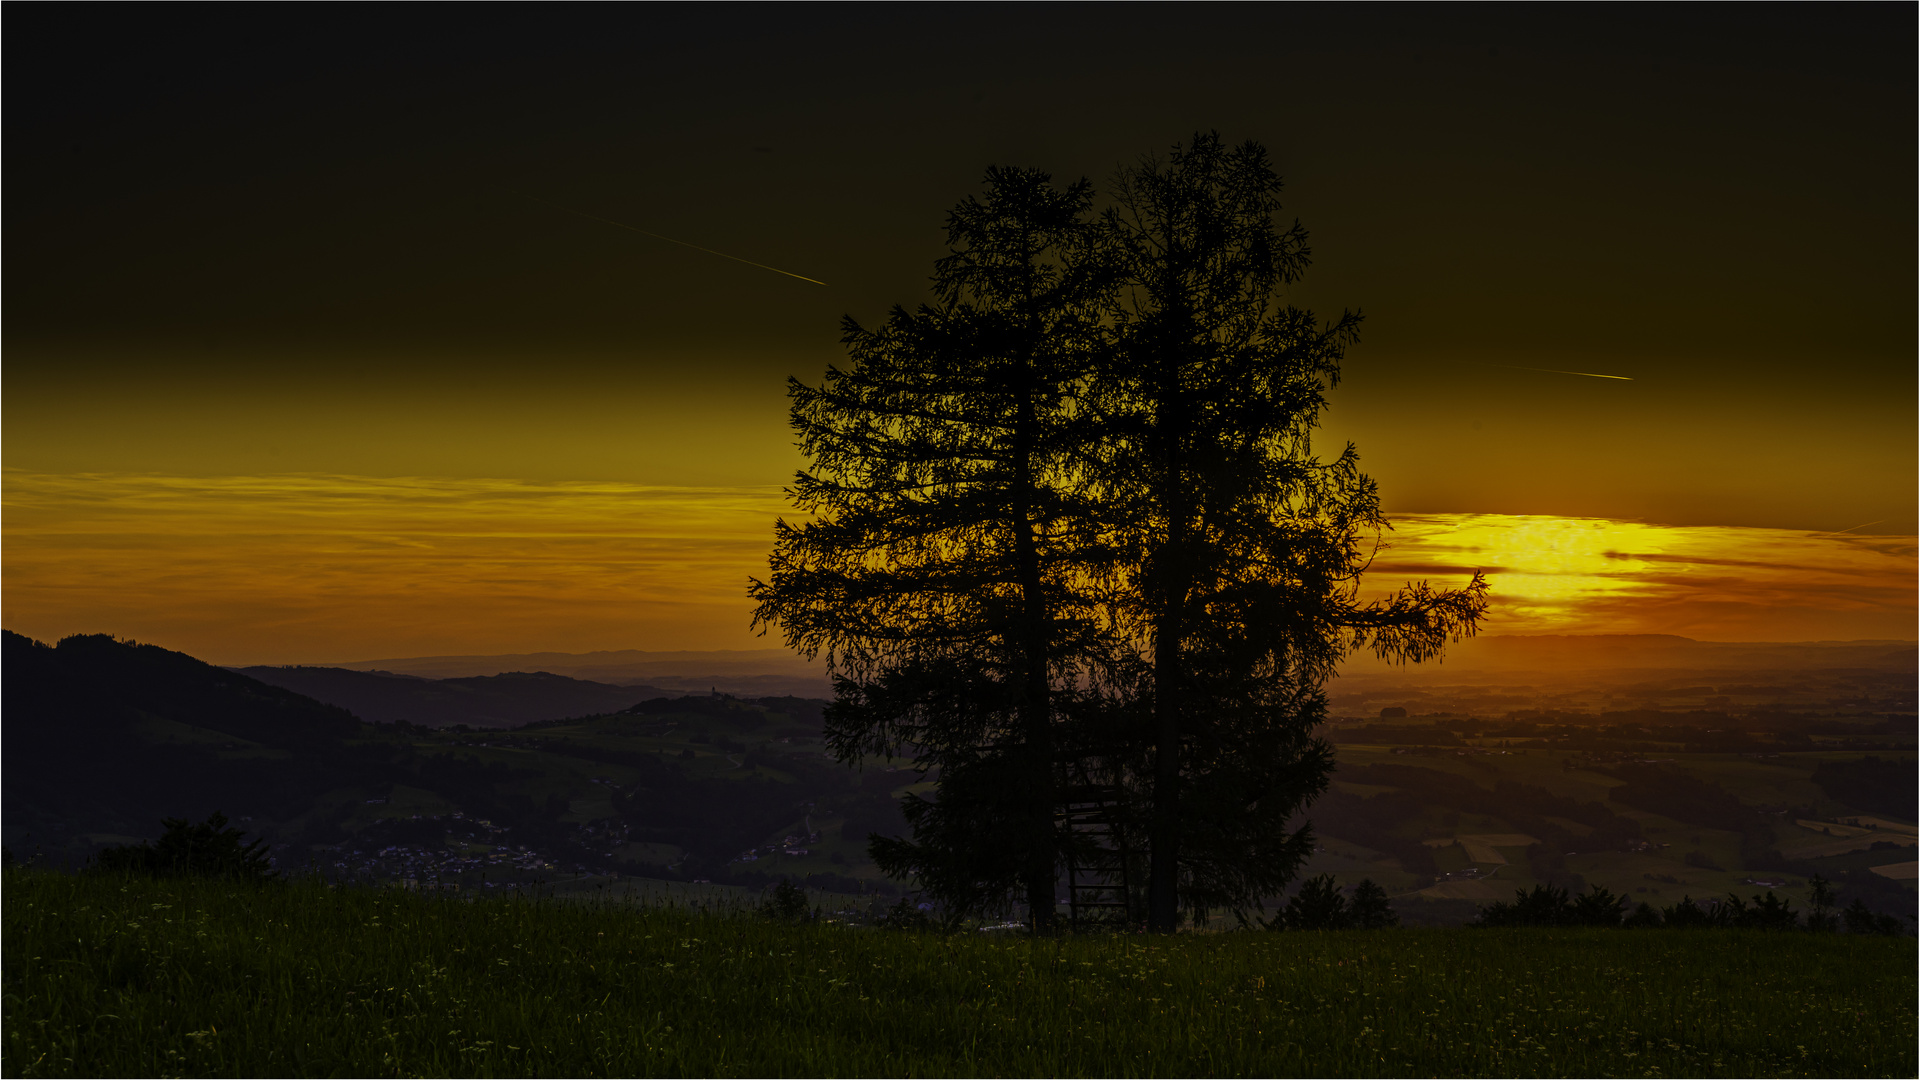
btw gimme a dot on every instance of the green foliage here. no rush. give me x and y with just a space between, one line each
134 976
208 849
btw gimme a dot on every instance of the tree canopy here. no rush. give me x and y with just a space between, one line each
942 570
1243 551
1066 525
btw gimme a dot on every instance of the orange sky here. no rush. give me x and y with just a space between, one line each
316 568
296 371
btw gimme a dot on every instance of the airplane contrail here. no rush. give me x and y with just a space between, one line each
669 239
1842 531
1557 371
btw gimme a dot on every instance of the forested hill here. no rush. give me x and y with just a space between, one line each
103 737
491 701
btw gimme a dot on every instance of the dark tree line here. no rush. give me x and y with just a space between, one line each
1065 532
209 848
1547 905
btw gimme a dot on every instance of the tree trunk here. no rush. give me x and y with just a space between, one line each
1163 829
1036 720
1037 729
1163 868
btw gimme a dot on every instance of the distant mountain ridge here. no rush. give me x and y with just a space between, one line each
505 700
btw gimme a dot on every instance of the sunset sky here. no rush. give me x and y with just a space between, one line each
314 351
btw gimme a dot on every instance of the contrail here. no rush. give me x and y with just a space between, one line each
1557 371
670 240
1856 527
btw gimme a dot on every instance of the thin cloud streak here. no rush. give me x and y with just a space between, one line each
286 568
315 567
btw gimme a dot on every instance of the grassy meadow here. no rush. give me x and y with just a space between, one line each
124 976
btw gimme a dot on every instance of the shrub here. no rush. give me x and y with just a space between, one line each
786 903
209 849
1319 905
1861 920
906 915
1643 918
1687 915
1598 907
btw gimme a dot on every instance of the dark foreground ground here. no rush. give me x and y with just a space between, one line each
110 976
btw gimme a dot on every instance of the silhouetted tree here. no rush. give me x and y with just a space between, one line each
1370 909
942 571
1687 915
1317 906
1821 919
1320 905
1243 550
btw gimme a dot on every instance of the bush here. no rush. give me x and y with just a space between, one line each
1319 905
1547 905
906 915
209 849
1643 918
786 903
1862 920
1687 915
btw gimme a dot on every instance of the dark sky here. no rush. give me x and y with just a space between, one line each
305 238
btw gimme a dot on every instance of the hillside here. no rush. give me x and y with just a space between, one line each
488 701
103 738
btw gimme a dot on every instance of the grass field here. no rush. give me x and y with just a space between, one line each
111 976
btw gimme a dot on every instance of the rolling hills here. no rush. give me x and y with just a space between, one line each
482 701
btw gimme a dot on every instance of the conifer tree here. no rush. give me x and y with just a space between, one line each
1243 551
942 573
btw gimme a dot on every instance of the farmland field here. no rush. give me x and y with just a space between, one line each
1465 804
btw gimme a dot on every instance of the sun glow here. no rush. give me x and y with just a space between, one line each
1592 575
